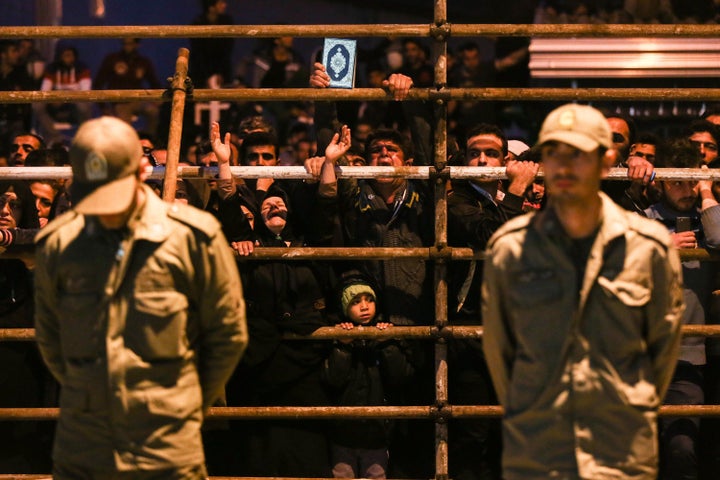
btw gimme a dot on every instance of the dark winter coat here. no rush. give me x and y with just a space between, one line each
366 373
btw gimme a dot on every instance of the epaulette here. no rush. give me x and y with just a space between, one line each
195 218
649 228
55 224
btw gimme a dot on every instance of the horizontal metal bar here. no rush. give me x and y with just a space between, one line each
417 332
45 476
360 30
374 253
298 172
584 94
207 31
450 331
360 332
17 334
250 413
48 476
485 411
369 94
466 94
291 413
333 413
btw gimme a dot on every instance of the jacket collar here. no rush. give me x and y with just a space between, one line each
151 222
614 221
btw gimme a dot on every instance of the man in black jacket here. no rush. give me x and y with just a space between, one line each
475 210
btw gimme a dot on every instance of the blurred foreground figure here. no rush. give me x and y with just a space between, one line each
582 307
139 315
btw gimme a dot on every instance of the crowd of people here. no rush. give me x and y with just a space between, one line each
286 298
627 11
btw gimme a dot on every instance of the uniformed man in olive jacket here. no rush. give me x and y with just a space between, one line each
139 315
582 307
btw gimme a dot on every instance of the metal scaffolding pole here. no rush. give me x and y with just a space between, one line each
438 174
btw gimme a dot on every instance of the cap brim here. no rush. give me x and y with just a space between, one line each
574 139
109 199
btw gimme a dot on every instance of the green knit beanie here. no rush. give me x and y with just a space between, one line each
352 291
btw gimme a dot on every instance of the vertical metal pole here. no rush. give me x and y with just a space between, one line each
441 290
176 125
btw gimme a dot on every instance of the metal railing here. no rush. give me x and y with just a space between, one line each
439 31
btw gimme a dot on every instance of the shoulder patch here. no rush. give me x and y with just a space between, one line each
55 224
195 218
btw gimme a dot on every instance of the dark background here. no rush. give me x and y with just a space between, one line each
246 12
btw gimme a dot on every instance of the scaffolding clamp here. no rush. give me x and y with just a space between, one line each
441 32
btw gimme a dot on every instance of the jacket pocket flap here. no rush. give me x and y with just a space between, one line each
160 304
630 293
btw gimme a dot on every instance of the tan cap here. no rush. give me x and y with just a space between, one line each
580 126
105 157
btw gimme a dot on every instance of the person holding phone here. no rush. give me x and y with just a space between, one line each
692 215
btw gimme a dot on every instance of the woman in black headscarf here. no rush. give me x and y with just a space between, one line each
24 380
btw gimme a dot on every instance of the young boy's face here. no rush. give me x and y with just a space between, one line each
362 308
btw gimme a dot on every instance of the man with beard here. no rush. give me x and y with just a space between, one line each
690 212
582 306
704 136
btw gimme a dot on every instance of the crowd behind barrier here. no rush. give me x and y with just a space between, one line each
299 297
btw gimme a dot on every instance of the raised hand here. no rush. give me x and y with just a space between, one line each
339 145
220 148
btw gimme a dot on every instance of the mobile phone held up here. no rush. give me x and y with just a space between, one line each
683 224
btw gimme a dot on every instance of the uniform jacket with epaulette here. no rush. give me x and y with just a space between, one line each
581 365
142 329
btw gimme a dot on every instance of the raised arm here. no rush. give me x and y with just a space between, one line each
323 168
221 148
